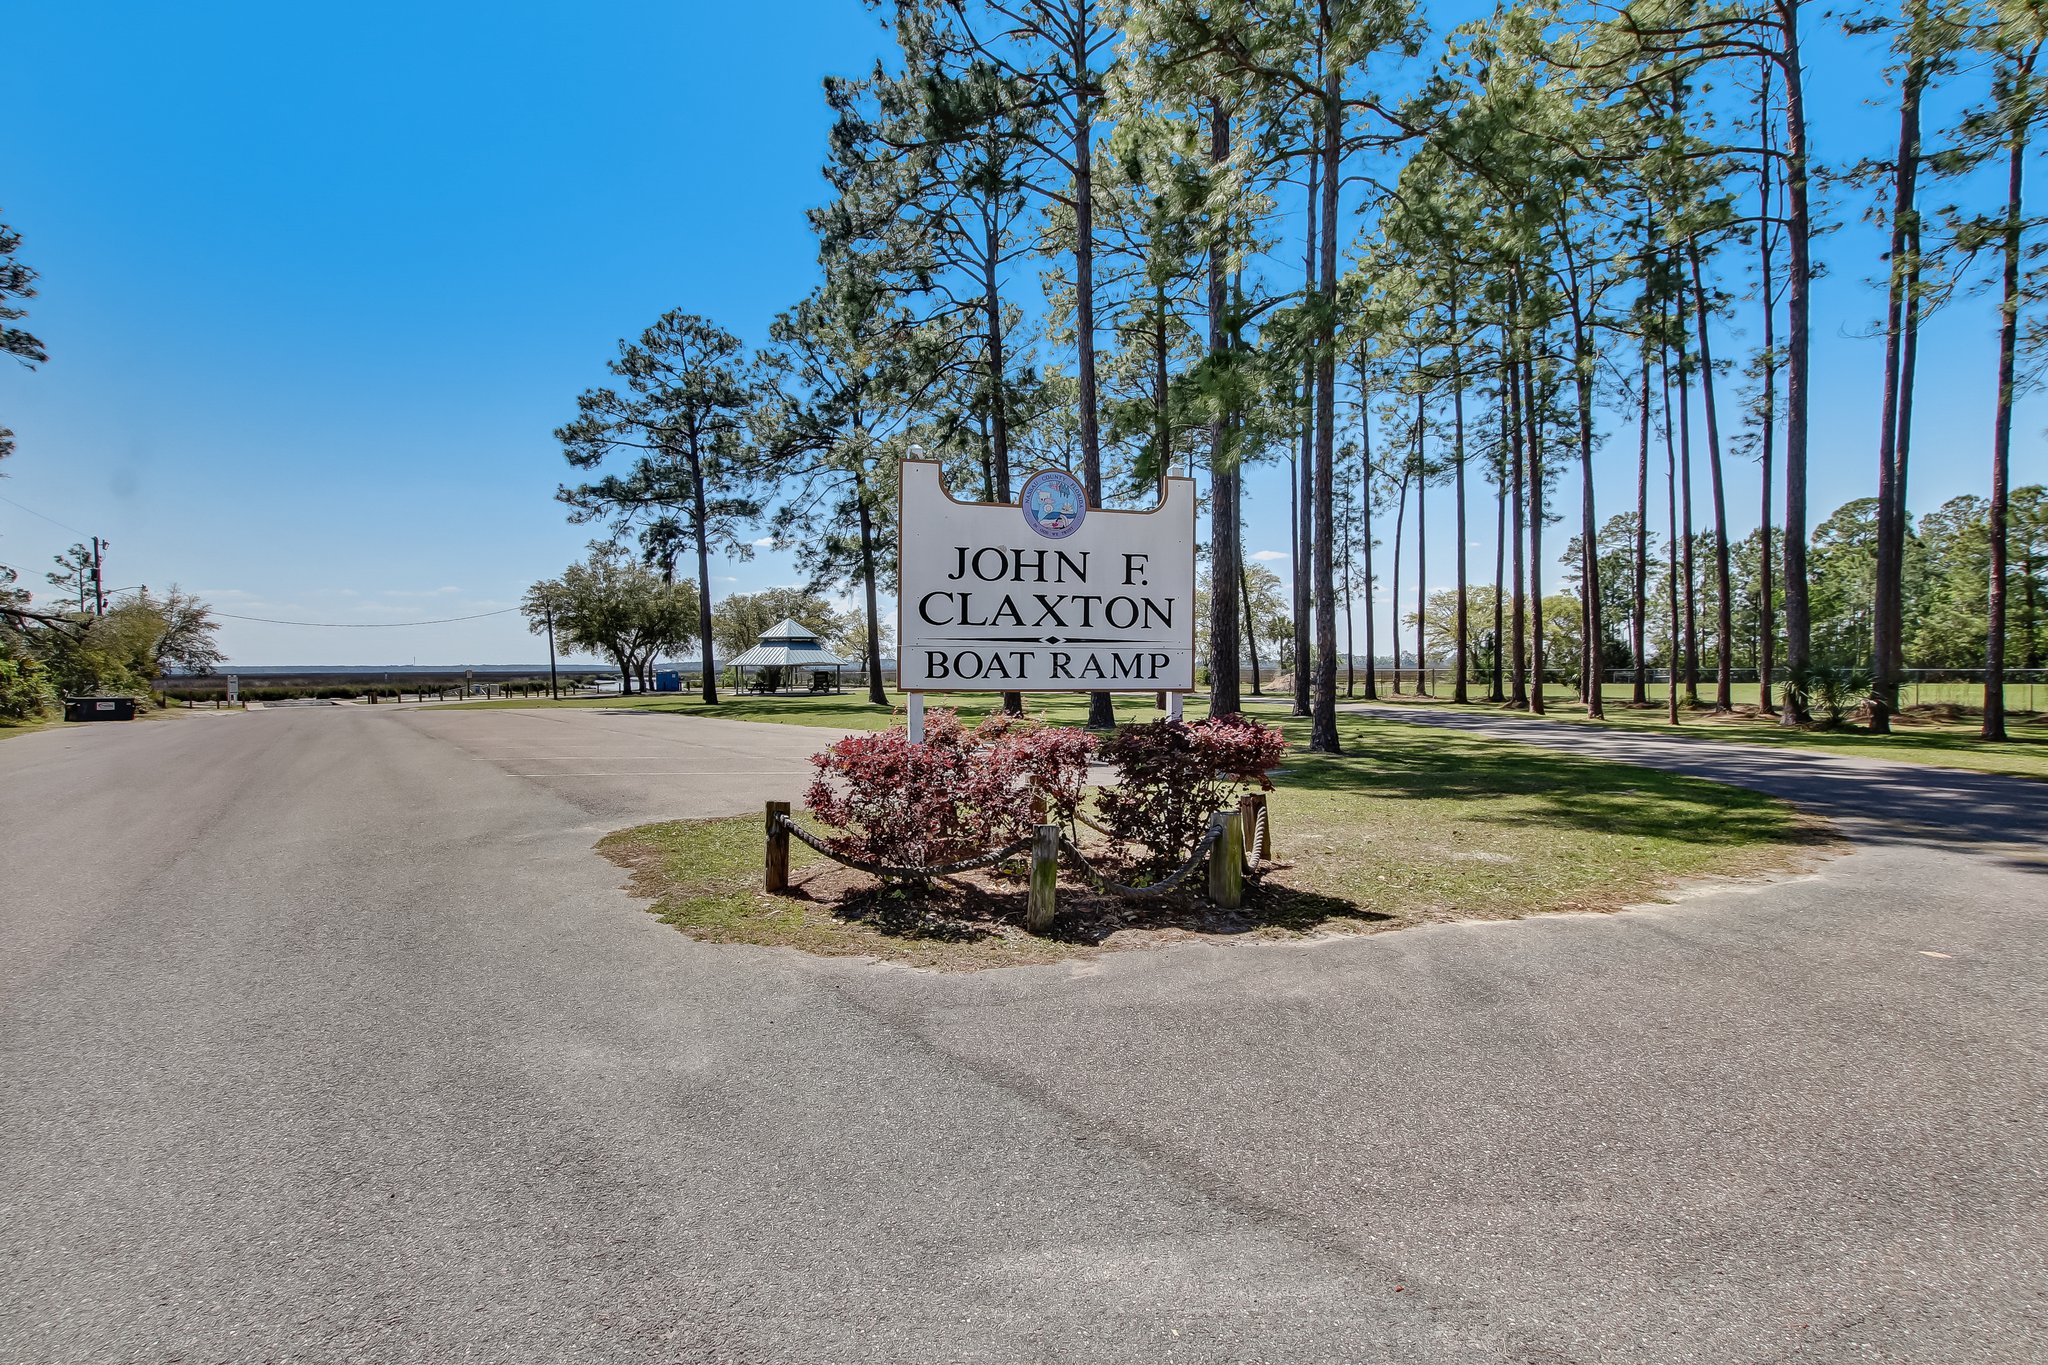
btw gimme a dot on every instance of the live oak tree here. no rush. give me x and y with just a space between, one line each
741 618
681 423
613 605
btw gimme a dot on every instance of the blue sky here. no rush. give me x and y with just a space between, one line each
319 281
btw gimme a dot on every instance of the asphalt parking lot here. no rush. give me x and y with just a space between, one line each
327 1037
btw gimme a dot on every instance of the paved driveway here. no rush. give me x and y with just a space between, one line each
326 1037
631 767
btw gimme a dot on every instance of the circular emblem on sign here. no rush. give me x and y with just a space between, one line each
1054 503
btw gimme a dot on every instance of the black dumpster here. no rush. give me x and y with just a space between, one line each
99 708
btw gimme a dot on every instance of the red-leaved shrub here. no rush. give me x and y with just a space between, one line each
959 793
1171 777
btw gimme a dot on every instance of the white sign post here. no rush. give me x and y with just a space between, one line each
1043 595
234 689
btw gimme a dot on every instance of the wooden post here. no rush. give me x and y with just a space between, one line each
778 847
1226 861
1249 807
1045 880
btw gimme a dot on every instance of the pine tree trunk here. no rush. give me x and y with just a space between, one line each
1639 621
1421 541
1394 597
1589 562
1305 500
998 372
1350 642
1494 691
1101 711
700 514
877 694
1323 729
1692 636
1767 626
1511 383
1724 619
1887 615
1251 628
1226 556
1459 692
998 362
1531 416
1909 365
1798 292
1372 690
2001 436
1671 551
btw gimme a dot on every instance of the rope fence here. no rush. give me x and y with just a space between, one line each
914 871
1164 886
1236 844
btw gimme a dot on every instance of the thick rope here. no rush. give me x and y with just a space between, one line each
1164 886
883 870
1158 888
1256 845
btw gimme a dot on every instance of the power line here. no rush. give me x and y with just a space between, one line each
274 621
52 520
365 625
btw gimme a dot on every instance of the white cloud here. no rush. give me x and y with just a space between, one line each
1268 556
765 543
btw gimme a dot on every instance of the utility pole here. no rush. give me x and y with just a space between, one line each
99 592
554 689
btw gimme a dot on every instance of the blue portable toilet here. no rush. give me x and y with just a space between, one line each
668 680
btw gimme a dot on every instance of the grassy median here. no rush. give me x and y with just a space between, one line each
1411 827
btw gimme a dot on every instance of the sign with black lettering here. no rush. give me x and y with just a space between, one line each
1046 594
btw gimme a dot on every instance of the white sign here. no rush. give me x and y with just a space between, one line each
1046 594
234 689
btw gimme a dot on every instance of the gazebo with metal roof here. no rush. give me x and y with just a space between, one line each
791 650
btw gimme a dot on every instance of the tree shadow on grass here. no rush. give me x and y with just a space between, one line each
1701 785
1390 763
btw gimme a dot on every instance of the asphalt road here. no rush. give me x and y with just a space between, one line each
328 1038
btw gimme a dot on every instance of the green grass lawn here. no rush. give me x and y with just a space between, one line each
11 728
1944 743
1411 826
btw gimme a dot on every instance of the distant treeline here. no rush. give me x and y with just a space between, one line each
215 688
